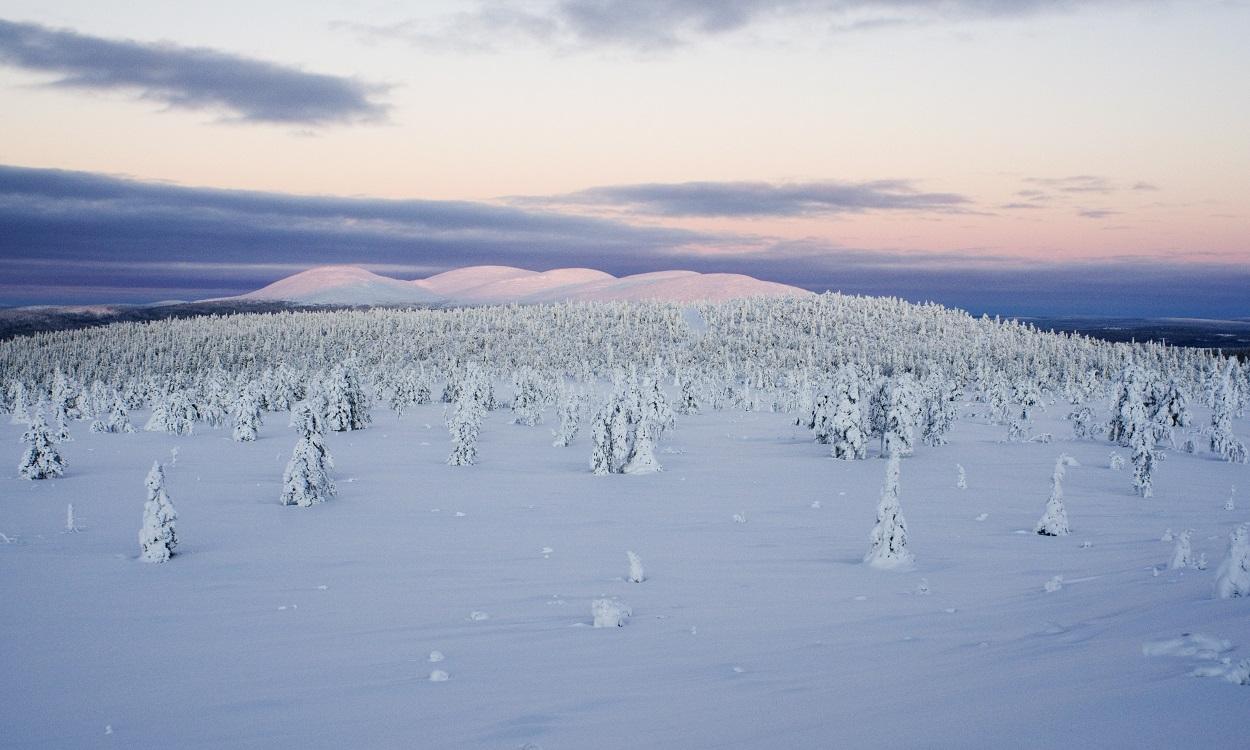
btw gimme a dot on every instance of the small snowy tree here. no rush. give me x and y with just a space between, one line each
464 422
961 478
157 538
173 413
636 574
41 459
19 403
528 398
888 542
347 403
1054 521
1232 579
306 480
689 400
1182 553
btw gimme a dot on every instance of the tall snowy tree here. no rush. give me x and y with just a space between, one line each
19 403
1223 441
941 402
846 427
246 415
888 542
306 480
41 459
1144 458
347 403
901 418
570 413
528 397
157 538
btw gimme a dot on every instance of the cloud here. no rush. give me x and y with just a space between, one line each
75 237
243 89
647 25
756 199
1082 183
1096 213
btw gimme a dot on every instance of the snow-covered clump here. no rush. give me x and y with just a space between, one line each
609 613
635 568
1182 553
1232 579
41 459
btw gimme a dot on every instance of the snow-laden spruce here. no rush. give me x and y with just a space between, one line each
40 459
1144 459
1054 520
888 541
306 480
902 416
1233 577
157 537
846 430
346 402
626 429
173 412
529 396
571 404
1223 442
246 414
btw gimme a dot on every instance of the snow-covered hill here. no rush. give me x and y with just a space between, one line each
343 285
488 285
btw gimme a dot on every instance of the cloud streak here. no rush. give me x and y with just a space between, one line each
243 89
758 199
648 25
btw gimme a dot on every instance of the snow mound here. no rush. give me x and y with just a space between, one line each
343 285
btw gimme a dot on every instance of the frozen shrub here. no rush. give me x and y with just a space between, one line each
609 613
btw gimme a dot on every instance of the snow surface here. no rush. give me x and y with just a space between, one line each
316 628
490 285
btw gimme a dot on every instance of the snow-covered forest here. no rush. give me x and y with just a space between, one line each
402 519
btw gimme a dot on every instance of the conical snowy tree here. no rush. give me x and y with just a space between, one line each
306 480
246 415
689 400
157 538
528 398
62 426
41 459
888 542
901 417
118 416
941 396
847 430
1232 579
1054 521
463 424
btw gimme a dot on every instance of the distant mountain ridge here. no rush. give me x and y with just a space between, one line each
487 285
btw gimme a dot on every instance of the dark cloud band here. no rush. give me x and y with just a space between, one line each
243 89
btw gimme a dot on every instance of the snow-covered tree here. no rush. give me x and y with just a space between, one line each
1026 396
464 422
690 399
643 460
306 480
528 397
1082 420
1232 579
1054 521
157 538
846 429
901 418
570 413
888 542
1144 458
61 434
246 415
1182 553
1223 441
961 477
19 403
173 413
347 403
118 418
41 459
941 402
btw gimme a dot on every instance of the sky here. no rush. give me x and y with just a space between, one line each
1022 157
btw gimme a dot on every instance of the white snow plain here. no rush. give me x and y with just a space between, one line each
315 628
